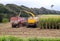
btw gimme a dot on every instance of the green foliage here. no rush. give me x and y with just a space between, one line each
11 38
1 18
33 39
5 20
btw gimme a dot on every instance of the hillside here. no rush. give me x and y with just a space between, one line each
15 9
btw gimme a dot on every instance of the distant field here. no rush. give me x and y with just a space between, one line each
49 16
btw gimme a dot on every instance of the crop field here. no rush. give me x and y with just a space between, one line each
45 21
49 21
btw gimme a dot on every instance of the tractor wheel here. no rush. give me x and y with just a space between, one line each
31 26
35 25
18 25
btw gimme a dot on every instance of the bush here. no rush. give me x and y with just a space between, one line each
1 18
5 20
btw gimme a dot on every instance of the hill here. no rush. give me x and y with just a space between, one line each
15 9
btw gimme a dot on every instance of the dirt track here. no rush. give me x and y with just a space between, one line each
6 29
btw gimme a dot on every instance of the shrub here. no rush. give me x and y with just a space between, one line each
5 20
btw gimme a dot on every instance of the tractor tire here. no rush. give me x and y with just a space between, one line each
31 26
18 25
35 25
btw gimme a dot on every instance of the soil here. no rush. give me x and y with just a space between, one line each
6 29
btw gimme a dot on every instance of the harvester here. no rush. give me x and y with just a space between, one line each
25 19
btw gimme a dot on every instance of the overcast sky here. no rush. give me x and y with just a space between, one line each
35 3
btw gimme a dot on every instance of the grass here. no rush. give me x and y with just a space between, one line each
11 38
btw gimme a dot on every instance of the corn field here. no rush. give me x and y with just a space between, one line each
49 21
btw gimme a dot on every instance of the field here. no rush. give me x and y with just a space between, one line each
49 21
6 29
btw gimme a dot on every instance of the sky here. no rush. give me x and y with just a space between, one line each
35 3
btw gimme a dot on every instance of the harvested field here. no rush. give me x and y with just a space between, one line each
6 29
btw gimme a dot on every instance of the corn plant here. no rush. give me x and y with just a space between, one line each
49 21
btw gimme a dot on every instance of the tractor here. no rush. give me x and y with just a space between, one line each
24 18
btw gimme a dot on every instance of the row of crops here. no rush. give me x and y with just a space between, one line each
11 38
49 21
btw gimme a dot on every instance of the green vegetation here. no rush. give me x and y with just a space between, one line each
5 20
10 38
49 21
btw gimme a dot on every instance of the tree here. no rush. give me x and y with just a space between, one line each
1 18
